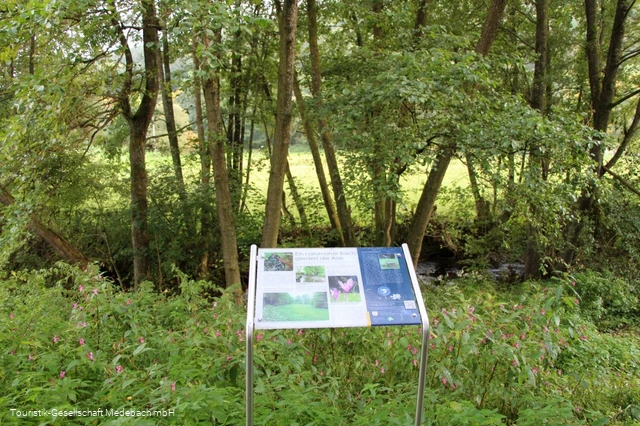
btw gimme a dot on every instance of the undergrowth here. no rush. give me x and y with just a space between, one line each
71 339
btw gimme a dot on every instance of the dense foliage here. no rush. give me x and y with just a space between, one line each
526 356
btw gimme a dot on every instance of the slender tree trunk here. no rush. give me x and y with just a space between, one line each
59 244
445 153
138 127
297 199
164 75
206 214
344 214
424 209
211 88
602 83
421 18
317 161
245 187
288 21
532 253
488 36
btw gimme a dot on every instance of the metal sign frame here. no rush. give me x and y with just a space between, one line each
251 303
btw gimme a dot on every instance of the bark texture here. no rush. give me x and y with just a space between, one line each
317 160
288 21
344 214
138 126
211 89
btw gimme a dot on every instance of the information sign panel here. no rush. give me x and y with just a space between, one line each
334 287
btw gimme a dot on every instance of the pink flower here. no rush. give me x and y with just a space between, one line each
515 364
335 293
81 288
75 306
259 337
173 386
90 356
141 339
229 357
128 301
300 332
535 370
444 381
81 341
62 374
559 372
346 287
95 291
83 324
56 339
118 369
218 333
517 345
573 283
415 362
377 362
577 302
30 357
382 370
288 341
11 315
472 310
543 312
450 348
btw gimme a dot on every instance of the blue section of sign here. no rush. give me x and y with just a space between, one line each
387 286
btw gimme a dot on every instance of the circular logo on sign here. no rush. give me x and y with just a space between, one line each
384 291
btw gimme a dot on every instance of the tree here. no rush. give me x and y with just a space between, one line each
288 20
138 122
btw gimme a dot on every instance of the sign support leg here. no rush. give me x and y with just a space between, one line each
249 334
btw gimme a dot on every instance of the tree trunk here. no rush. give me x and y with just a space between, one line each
164 75
532 253
138 127
421 19
288 20
297 199
211 88
317 160
245 187
424 209
60 245
602 103
443 158
344 214
488 36
490 28
206 214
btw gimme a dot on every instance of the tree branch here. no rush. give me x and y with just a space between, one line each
167 134
624 98
624 182
628 136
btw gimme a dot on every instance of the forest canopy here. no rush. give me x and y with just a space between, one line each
138 134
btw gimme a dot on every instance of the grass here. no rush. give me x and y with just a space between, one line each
294 312
302 169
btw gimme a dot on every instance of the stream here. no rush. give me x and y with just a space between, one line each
437 271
